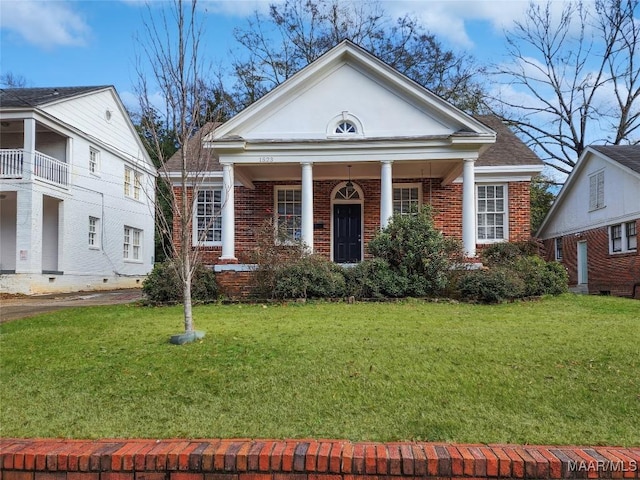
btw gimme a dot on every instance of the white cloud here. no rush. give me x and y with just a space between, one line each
45 24
237 8
450 19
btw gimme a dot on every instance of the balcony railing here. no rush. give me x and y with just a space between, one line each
45 167
11 163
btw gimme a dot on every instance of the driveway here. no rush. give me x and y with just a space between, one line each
15 307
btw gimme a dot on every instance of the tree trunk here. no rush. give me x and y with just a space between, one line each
188 314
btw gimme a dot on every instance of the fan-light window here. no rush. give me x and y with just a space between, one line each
346 127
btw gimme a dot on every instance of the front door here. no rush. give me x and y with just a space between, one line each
583 265
347 233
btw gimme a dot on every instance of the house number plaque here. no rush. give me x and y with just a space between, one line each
266 159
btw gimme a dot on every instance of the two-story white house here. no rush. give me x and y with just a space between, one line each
77 192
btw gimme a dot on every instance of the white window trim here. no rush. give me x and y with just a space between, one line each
136 181
96 154
408 185
596 205
558 241
505 222
624 240
194 233
344 117
96 235
276 226
129 258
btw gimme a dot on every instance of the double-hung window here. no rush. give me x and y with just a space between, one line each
94 232
491 213
132 245
208 221
94 160
559 253
132 183
288 213
406 199
623 237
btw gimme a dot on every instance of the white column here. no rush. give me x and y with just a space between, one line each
228 214
469 208
29 231
386 193
29 148
307 205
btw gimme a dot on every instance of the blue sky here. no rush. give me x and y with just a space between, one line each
92 42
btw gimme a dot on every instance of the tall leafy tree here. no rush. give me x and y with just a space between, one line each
296 32
581 72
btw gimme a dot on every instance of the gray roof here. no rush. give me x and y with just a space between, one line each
508 149
34 97
627 155
197 157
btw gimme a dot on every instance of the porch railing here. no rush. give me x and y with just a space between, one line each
51 169
11 163
45 167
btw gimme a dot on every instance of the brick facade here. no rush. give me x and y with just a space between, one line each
255 206
614 274
241 459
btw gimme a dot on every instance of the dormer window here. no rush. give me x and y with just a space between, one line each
346 127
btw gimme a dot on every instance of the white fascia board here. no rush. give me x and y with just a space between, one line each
592 226
178 175
504 173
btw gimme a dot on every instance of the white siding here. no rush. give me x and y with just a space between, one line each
87 113
621 200
8 208
56 237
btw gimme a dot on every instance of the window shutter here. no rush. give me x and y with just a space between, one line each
593 192
600 199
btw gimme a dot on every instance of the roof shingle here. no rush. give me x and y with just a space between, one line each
627 155
34 97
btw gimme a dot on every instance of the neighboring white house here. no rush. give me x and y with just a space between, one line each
592 227
76 192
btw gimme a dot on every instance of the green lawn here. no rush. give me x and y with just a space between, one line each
562 370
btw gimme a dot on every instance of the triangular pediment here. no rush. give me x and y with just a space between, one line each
348 84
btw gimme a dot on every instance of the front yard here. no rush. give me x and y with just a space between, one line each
563 370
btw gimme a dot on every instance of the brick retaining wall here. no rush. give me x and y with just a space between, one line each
51 459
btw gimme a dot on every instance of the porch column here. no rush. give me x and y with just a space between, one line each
228 214
29 231
307 206
29 149
386 193
469 207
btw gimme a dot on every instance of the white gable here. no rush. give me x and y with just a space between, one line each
101 116
572 213
349 82
348 91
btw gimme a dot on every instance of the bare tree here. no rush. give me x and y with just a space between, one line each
172 51
581 70
12 80
296 32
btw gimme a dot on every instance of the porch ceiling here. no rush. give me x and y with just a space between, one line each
340 171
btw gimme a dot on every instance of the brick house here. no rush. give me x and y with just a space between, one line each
592 226
334 151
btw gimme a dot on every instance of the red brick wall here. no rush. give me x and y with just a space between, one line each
616 273
253 207
235 459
